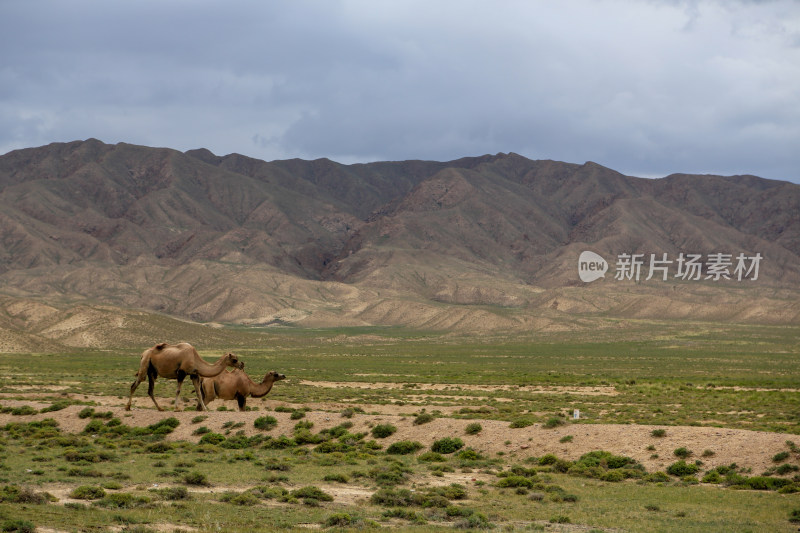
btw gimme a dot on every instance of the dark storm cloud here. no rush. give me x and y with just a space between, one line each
647 88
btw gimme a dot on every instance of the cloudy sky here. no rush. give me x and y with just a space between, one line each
645 87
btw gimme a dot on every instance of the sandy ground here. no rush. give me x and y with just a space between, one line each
748 449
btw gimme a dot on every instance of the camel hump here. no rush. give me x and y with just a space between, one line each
161 346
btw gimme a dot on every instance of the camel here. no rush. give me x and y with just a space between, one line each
236 384
177 361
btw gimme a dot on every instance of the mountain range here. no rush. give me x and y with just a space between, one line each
478 244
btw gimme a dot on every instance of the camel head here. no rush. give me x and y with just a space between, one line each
273 376
232 360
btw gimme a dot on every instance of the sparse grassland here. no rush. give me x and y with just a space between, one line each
336 444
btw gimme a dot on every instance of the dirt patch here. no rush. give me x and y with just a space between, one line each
533 389
748 449
51 388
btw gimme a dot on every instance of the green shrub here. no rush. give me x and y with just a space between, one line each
297 414
339 520
162 427
474 521
304 436
196 478
682 452
520 423
469 455
239 498
86 492
405 514
453 491
548 459
781 456
348 413
56 406
613 476
336 478
423 418
447 445
381 431
159 447
269 493
18 526
265 423
432 457
794 517
473 429
554 422
87 456
765 483
212 438
392 498
172 493
122 500
389 475
334 446
404 447
280 443
792 488
15 494
658 433
304 424
24 410
682 468
656 477
311 493
338 431
434 497
515 481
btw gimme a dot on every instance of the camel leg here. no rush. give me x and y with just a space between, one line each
181 377
203 395
150 386
135 384
241 401
144 370
201 406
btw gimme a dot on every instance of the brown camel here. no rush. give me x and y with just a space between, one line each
236 384
176 361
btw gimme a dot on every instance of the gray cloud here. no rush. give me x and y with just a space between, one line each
647 88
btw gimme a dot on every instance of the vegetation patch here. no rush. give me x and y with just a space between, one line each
447 445
404 447
265 423
381 431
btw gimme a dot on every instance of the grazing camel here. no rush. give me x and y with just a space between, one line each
177 361
236 384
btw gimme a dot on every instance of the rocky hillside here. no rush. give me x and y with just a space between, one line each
489 242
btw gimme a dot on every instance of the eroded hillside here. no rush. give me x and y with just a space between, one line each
477 244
